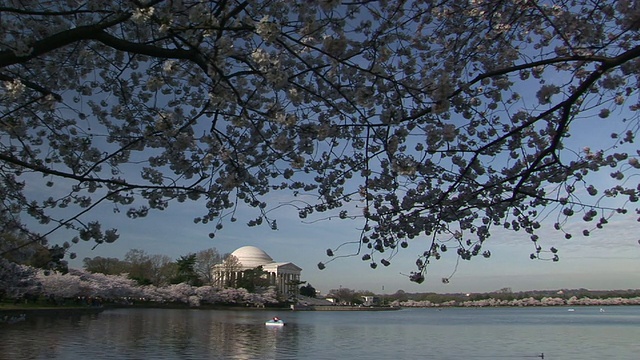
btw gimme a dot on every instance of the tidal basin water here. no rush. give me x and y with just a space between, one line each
452 333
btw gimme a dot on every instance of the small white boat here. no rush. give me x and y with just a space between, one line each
274 322
571 310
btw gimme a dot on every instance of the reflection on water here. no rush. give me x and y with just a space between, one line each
517 333
148 333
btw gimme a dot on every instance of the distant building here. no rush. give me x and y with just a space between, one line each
285 276
331 299
368 300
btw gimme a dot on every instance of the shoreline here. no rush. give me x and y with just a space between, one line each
34 310
345 308
13 311
16 314
50 310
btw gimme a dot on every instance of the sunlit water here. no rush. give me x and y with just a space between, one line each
456 333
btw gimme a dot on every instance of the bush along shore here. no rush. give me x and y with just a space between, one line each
529 301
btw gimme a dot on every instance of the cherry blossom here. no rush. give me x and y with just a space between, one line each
60 285
17 280
528 301
432 122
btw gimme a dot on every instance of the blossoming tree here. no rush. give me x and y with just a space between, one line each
16 280
431 119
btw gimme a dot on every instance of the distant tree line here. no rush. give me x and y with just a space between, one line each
146 269
506 294
159 270
193 269
346 296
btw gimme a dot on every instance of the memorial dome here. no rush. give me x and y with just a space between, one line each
251 257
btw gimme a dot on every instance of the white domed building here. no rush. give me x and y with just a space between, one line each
283 275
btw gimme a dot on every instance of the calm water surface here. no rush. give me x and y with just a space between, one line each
494 333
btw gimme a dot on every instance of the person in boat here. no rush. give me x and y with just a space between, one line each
275 318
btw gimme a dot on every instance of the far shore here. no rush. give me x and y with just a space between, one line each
52 310
14 310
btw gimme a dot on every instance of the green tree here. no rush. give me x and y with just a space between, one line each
185 272
308 290
399 295
344 296
253 280
17 246
140 266
36 254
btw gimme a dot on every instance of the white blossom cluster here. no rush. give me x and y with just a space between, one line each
267 29
14 88
16 280
432 122
529 301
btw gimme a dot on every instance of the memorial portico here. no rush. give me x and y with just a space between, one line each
285 276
